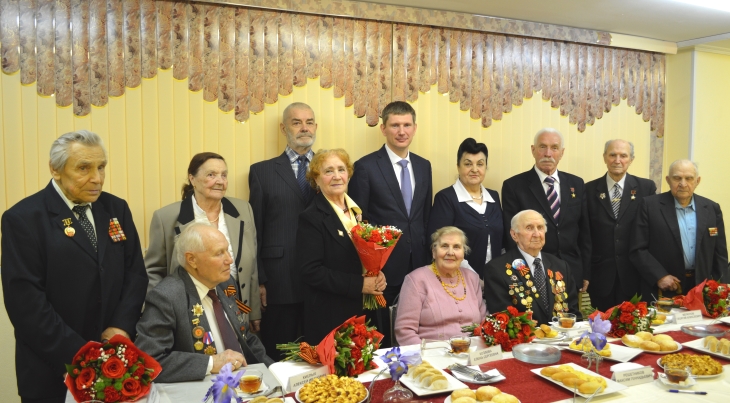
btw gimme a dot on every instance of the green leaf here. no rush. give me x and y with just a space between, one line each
70 369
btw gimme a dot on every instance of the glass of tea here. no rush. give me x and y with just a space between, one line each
677 375
251 381
565 320
663 305
459 344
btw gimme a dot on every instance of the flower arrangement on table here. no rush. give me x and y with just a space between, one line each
709 296
224 386
629 317
374 244
507 328
114 371
594 340
347 350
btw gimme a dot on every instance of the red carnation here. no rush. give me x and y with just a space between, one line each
86 378
93 354
626 317
512 310
131 387
628 307
113 368
620 333
526 330
139 371
111 394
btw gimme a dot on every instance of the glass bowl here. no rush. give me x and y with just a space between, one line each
536 353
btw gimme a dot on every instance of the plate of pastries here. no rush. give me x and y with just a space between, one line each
652 343
546 334
425 379
483 394
332 388
576 378
711 345
702 366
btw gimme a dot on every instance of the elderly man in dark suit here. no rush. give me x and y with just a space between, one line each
526 277
678 239
393 187
613 201
191 324
72 268
279 193
560 197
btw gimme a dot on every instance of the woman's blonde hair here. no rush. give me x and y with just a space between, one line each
315 167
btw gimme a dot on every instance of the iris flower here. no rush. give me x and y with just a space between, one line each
224 386
597 335
398 363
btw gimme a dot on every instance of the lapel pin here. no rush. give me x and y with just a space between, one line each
633 194
602 196
340 233
197 310
69 230
572 192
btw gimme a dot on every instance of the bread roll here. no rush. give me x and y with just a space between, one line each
463 392
487 393
662 317
539 334
275 400
649 346
631 340
504 398
548 371
545 328
589 388
260 399
558 376
659 337
707 340
464 399
646 336
665 345
573 382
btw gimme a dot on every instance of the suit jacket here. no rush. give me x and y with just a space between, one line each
570 238
165 330
656 244
59 292
331 270
277 201
447 210
610 235
375 189
497 285
169 221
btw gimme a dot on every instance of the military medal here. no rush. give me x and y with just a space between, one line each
198 332
602 196
572 191
196 321
511 292
509 272
210 350
513 278
197 310
529 299
69 230
198 345
208 340
633 194
524 301
529 283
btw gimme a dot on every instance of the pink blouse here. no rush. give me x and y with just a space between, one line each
426 311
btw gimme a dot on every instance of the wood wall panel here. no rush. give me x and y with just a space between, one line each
246 57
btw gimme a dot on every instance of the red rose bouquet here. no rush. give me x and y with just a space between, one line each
507 328
374 245
709 296
115 371
629 317
347 350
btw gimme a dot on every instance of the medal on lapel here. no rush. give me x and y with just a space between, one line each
633 194
572 192
208 340
230 290
69 230
198 333
197 310
602 196
115 231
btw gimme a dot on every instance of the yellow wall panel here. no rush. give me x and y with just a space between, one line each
3 164
678 116
13 139
151 174
46 112
166 138
29 120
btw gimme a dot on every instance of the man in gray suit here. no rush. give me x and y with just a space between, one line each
190 324
279 192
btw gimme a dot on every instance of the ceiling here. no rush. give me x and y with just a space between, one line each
666 20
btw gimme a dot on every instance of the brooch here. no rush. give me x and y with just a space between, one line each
633 194
69 230
602 196
197 310
572 192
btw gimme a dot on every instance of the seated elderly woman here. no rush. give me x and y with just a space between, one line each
437 300
190 323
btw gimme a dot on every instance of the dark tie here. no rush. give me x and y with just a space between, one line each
85 223
302 176
230 341
541 286
405 185
616 199
552 197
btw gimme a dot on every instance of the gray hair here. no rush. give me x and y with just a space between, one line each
679 162
189 240
549 130
295 105
609 142
515 223
443 231
59 148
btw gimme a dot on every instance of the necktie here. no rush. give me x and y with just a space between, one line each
552 197
85 223
540 283
230 341
302 176
405 185
616 199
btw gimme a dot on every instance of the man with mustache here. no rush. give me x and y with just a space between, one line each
613 201
392 186
560 197
279 191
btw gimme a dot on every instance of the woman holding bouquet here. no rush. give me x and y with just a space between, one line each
471 207
330 265
438 299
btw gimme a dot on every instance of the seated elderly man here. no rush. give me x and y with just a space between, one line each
190 324
528 279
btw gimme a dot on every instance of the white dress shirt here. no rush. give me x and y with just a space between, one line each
531 260
71 205
464 197
394 159
212 321
610 182
543 175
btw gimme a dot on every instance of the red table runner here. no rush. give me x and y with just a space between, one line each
528 387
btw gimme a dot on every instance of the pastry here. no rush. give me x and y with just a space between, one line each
659 337
463 392
559 376
487 393
644 335
573 382
589 388
275 400
632 340
665 345
260 399
725 346
649 346
548 371
464 399
707 341
505 398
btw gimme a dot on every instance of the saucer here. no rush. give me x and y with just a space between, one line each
259 392
687 384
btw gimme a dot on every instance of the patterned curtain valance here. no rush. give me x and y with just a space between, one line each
83 51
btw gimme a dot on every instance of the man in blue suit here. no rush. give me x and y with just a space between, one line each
392 186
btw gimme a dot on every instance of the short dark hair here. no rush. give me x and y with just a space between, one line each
470 146
398 108
195 163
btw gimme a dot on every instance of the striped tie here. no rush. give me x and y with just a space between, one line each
302 176
616 199
552 197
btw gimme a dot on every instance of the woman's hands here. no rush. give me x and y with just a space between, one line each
374 285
